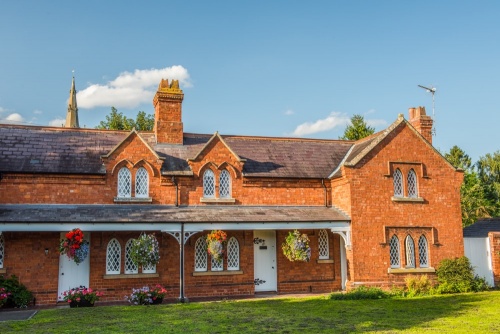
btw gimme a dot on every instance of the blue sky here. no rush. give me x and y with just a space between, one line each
267 68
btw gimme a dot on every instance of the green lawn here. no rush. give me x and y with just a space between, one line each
465 313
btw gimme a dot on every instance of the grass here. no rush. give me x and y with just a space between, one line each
464 313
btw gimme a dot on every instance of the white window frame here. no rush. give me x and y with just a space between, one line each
398 183
233 254
216 265
111 243
225 184
209 184
150 269
141 182
130 266
410 252
323 245
423 252
412 184
124 179
2 250
200 255
394 252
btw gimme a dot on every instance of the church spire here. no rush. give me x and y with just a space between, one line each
72 114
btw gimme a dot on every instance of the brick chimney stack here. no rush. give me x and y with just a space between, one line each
421 122
168 126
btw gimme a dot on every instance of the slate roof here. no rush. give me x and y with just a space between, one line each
41 213
481 228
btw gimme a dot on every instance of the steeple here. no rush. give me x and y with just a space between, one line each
72 114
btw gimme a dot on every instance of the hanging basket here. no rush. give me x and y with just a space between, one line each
216 243
144 250
74 246
296 247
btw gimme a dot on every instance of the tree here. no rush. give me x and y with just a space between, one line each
117 121
489 175
358 129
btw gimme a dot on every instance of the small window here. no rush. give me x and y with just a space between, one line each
113 257
141 183
410 252
423 257
398 183
149 269
225 184
324 249
208 184
2 250
394 252
412 184
200 255
130 266
124 183
216 265
233 254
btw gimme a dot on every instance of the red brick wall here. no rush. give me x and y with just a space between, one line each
494 238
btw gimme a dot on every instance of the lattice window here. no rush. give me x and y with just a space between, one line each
216 265
200 255
113 257
225 184
423 255
149 269
141 183
410 252
124 183
324 249
412 184
398 183
130 266
208 184
394 252
2 250
233 254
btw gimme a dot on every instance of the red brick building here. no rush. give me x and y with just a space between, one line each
375 210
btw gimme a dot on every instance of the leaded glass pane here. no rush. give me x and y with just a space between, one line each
216 265
398 183
412 184
113 257
410 252
233 254
149 269
225 184
208 183
124 183
200 255
324 250
2 250
394 252
130 266
141 183
422 252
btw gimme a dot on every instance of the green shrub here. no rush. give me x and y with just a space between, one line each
20 296
418 285
457 275
361 293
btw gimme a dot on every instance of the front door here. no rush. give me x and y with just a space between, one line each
72 275
264 247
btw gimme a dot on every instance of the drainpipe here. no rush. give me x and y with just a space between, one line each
174 181
181 294
324 190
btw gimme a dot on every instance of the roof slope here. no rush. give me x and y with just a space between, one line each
481 228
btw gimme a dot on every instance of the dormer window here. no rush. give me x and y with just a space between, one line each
141 183
124 183
208 184
225 184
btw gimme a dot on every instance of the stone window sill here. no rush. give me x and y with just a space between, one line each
410 270
3 271
133 199
217 200
407 199
324 261
218 273
121 276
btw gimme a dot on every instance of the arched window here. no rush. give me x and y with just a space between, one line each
200 255
423 255
113 257
412 184
233 254
394 252
149 269
410 252
208 184
2 250
398 183
225 184
130 266
216 265
141 183
324 249
124 183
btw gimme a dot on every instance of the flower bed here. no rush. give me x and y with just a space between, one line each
147 295
81 297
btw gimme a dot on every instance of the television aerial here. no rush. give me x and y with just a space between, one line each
431 90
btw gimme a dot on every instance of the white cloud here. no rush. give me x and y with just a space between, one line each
289 112
130 89
333 120
37 112
2 110
13 118
57 122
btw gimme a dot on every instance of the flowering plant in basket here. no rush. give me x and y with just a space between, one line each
147 295
145 250
74 246
296 247
216 241
78 296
